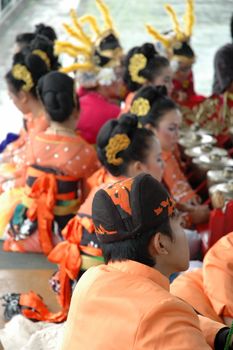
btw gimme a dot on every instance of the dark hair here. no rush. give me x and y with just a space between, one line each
231 26
140 142
155 63
24 39
159 102
47 31
40 42
57 93
34 64
223 69
184 50
135 249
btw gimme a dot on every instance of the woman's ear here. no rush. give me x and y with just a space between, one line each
160 244
136 168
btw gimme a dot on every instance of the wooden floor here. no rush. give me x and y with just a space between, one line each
21 281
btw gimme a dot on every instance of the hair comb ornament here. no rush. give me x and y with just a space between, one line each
140 107
43 55
175 38
101 49
116 144
20 72
137 63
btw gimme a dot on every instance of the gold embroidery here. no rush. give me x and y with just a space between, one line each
117 143
136 63
43 55
140 107
21 72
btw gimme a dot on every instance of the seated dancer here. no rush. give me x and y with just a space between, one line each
98 61
124 150
159 113
59 163
143 243
28 66
175 44
209 289
144 66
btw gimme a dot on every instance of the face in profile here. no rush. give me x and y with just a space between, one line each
171 252
179 248
168 129
19 99
153 164
183 71
165 79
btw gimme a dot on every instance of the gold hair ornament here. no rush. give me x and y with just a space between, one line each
20 72
87 44
116 144
179 35
136 63
43 55
140 107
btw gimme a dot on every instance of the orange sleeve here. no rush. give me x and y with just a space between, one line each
189 287
210 329
171 325
217 266
175 180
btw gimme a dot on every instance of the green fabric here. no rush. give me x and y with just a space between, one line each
19 215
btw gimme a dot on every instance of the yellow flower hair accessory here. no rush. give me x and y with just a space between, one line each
136 63
140 107
43 55
21 72
116 144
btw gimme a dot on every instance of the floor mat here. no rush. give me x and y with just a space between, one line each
23 261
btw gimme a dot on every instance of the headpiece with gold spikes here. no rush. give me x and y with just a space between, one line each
101 49
176 42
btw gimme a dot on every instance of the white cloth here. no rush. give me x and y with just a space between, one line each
23 334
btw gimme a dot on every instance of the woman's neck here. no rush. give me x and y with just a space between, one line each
36 108
66 128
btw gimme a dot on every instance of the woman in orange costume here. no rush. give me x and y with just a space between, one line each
60 161
37 59
209 289
144 66
159 113
124 150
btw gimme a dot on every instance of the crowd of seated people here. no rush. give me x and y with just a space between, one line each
97 181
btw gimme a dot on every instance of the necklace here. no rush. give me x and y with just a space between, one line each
60 130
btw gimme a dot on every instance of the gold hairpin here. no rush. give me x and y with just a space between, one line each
140 107
136 63
20 72
43 55
116 144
